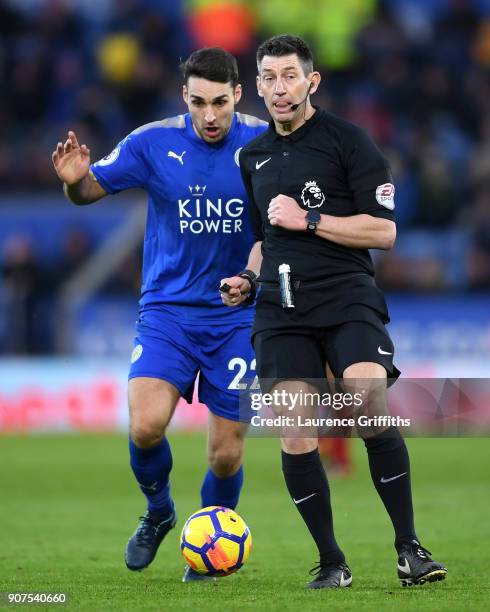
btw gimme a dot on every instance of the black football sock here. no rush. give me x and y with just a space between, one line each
308 486
390 470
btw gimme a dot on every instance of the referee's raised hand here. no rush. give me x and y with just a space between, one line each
234 290
71 160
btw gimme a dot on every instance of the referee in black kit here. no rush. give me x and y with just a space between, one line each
321 195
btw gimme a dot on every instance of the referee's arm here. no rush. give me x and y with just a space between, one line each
358 231
361 231
239 288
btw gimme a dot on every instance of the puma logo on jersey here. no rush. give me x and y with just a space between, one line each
175 156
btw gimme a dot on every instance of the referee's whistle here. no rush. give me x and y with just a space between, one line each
287 297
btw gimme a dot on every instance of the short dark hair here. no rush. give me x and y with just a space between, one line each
286 44
213 64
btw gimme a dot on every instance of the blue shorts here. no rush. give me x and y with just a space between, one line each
174 351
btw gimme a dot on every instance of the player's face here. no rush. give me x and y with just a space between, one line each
211 106
282 83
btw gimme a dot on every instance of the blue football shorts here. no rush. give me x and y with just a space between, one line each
175 351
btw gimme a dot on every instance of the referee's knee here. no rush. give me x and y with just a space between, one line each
298 446
386 441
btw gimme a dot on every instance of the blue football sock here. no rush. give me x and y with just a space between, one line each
151 467
217 491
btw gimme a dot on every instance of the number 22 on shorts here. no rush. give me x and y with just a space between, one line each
239 365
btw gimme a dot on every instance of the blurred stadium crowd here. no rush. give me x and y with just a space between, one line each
415 73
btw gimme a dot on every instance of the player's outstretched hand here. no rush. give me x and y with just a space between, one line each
71 160
234 290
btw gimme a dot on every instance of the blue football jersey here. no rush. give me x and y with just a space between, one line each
198 228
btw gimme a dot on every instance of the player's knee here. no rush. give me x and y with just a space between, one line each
225 460
146 433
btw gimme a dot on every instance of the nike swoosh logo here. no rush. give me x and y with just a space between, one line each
298 501
258 165
384 480
405 568
345 582
381 352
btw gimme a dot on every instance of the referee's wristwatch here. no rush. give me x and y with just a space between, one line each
313 218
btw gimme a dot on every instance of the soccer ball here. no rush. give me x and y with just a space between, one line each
215 541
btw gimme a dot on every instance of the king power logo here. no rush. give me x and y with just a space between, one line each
198 214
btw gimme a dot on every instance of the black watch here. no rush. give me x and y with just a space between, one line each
313 218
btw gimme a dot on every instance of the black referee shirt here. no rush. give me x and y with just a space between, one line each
327 165
331 166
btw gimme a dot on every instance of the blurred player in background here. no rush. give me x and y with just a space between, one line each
321 195
335 453
336 456
198 229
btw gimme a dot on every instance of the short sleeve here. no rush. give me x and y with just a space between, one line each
124 168
253 209
370 179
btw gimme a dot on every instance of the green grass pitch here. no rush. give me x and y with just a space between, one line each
69 503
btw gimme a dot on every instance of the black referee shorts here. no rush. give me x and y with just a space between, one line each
301 353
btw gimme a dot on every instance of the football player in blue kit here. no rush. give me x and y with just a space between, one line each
198 231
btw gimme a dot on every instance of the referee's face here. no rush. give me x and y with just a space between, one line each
211 106
282 83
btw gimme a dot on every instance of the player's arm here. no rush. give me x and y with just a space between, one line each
237 289
255 258
86 191
71 162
